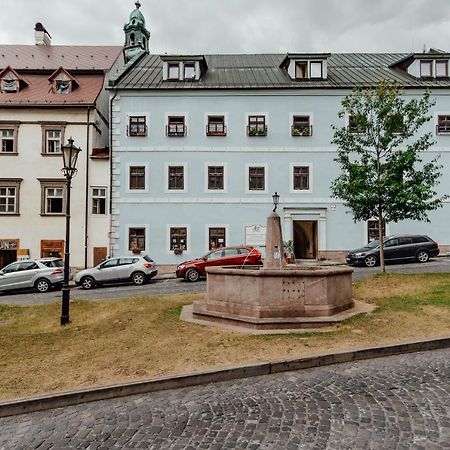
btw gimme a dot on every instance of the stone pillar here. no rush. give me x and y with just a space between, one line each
274 243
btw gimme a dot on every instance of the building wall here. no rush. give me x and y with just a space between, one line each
156 209
30 227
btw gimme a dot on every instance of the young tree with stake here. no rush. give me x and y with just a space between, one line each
382 174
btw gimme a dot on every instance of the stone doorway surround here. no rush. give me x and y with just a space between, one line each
306 214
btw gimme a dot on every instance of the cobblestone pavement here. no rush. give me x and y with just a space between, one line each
400 402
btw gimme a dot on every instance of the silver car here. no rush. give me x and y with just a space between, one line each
136 269
37 275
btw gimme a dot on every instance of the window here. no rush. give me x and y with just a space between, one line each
53 196
215 178
178 239
189 71
137 126
174 72
176 126
9 195
441 68
301 178
426 68
373 230
257 126
136 239
10 84
176 178
353 126
110 263
443 125
315 68
301 126
216 238
256 179
7 137
62 83
98 200
52 139
137 178
301 70
216 126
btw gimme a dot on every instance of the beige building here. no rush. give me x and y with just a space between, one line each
47 94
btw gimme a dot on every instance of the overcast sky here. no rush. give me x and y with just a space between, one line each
238 26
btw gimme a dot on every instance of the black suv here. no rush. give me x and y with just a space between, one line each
396 248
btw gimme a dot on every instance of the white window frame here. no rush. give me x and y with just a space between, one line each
47 197
291 178
366 229
146 175
249 114
49 138
166 177
188 238
310 69
92 201
13 183
127 234
225 176
208 226
247 178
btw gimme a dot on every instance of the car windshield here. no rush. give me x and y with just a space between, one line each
375 243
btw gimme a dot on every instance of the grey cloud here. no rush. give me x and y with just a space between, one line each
234 26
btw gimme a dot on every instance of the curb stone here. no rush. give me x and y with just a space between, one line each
75 397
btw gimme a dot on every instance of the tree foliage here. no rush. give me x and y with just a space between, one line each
382 173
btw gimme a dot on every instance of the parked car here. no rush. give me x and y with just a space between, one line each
396 248
31 275
224 256
135 269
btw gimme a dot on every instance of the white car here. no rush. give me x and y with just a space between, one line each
39 275
136 269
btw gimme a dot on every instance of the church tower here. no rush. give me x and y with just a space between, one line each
136 35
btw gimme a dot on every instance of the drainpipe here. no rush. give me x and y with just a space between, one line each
86 208
111 169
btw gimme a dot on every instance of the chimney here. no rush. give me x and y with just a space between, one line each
41 35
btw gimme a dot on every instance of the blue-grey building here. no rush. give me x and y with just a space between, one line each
201 142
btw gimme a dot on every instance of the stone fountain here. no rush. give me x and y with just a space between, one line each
275 296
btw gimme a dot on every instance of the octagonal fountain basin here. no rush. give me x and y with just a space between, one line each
287 298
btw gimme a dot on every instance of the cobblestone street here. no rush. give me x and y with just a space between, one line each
400 402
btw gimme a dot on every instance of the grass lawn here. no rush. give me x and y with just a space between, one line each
123 340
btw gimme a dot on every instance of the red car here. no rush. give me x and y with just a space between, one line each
223 256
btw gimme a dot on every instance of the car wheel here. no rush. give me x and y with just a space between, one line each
138 278
42 285
87 282
422 256
192 275
370 261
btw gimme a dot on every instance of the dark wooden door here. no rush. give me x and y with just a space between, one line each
100 254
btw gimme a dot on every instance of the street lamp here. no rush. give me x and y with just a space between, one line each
70 156
275 200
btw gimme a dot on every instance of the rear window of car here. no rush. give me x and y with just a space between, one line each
148 259
244 250
53 263
418 239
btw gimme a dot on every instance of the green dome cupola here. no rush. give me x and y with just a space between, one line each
136 35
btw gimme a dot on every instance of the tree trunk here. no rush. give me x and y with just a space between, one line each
381 238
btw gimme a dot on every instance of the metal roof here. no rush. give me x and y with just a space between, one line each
263 71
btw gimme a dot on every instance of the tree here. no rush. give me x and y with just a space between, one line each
382 174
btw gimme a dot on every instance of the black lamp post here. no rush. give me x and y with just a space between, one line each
70 156
275 200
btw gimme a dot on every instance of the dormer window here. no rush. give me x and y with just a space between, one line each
316 69
10 81
189 71
426 69
301 70
62 82
174 71
441 69
10 84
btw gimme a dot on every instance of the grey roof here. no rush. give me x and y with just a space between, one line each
263 71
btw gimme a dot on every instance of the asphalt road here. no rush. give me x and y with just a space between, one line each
400 402
159 286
